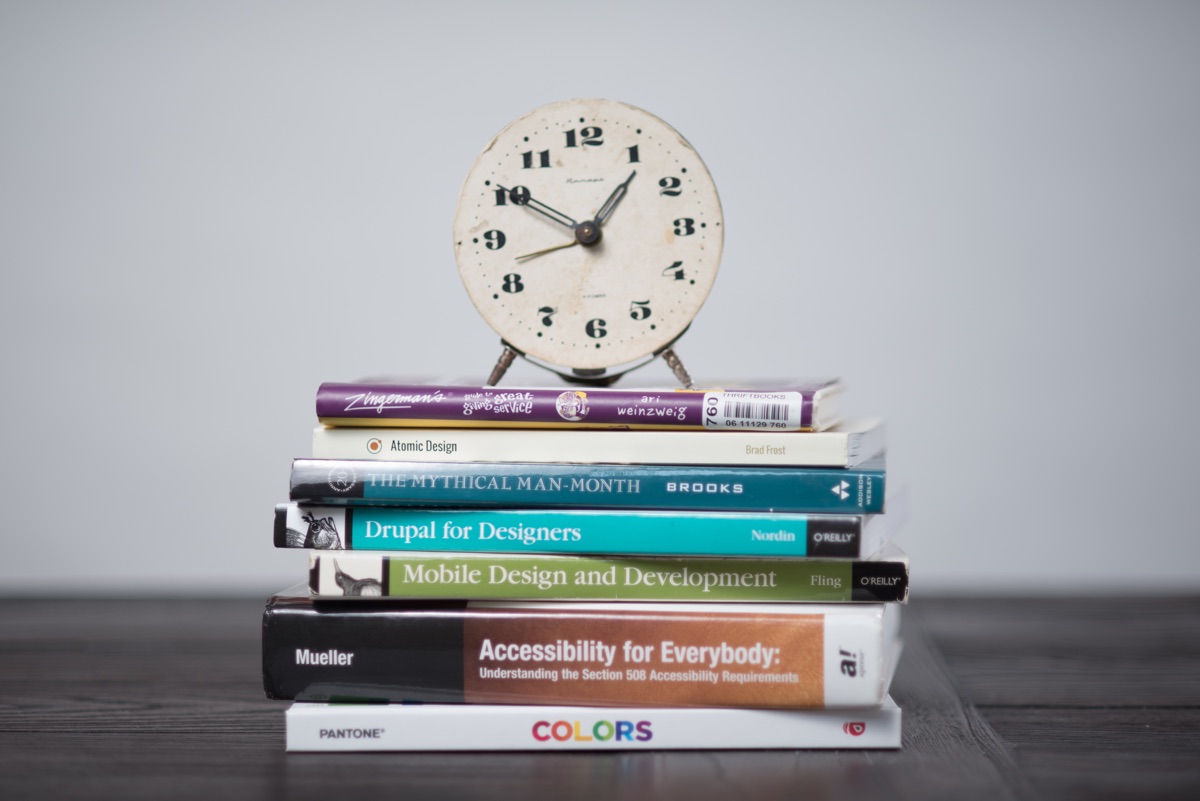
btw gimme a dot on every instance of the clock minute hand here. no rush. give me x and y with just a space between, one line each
542 208
613 200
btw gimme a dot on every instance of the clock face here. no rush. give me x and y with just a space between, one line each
588 234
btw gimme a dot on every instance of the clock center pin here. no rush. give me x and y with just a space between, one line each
588 233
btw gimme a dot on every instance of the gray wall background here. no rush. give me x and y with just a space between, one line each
984 216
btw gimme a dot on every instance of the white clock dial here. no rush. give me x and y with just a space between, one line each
588 234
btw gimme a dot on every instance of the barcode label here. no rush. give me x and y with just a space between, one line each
769 411
757 410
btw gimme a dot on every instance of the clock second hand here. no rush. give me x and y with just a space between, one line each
586 234
572 243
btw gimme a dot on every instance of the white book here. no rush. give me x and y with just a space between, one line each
449 727
847 445
591 654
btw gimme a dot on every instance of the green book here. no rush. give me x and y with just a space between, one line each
520 577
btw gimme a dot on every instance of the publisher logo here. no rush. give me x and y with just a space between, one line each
342 479
351 734
374 445
840 490
855 728
572 405
851 662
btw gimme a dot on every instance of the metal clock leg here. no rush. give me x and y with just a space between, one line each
502 364
672 360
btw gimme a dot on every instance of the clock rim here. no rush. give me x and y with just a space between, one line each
610 369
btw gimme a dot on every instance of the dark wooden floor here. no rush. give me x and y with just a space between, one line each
1030 698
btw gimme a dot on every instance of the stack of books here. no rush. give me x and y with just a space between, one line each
545 569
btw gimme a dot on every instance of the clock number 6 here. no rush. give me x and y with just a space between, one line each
639 309
595 328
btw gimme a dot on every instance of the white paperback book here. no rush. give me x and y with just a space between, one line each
846 445
452 727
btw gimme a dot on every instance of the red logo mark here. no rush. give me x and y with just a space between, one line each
374 445
854 729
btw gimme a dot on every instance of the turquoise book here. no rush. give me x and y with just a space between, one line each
579 531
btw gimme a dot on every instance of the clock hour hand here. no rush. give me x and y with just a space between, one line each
540 208
613 200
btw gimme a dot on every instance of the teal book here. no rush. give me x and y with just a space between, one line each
579 531
831 490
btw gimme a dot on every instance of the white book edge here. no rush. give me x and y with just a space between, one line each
446 727
847 445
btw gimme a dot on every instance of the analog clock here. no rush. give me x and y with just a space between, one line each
588 235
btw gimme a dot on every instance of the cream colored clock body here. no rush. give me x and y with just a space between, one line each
588 235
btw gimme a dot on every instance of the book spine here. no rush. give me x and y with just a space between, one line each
615 486
791 657
570 531
522 407
338 574
423 727
757 448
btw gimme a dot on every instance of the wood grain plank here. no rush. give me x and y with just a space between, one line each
1097 698
1143 753
949 749
1123 731
1071 651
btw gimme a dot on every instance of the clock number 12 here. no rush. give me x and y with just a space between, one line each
587 136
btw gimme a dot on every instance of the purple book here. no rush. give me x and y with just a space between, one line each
801 405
